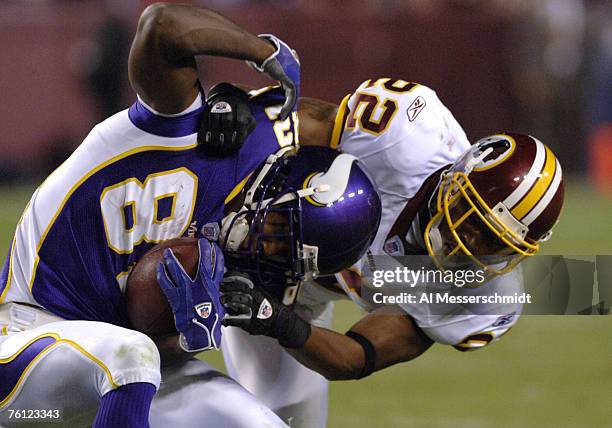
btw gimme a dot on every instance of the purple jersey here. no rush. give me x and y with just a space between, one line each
139 178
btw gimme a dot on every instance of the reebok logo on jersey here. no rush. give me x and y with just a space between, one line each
415 108
504 320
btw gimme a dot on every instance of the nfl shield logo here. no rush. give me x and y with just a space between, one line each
394 247
203 309
265 310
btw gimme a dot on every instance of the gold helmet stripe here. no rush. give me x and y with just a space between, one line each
541 206
530 178
541 185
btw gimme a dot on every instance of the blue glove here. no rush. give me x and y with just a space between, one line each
283 65
195 302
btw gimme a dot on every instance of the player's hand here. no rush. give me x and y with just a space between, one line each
195 302
283 65
226 122
249 307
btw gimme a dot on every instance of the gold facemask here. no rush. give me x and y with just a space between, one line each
456 192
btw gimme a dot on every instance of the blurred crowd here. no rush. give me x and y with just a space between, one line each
550 60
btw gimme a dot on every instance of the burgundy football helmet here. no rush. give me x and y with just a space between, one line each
509 187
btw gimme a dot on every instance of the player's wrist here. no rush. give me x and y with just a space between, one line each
266 48
291 330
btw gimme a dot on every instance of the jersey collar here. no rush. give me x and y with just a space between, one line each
182 124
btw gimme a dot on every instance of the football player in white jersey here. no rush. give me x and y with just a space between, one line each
441 197
139 178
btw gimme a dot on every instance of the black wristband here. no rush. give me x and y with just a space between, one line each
291 330
368 351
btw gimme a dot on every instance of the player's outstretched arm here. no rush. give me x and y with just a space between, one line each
385 337
162 65
381 339
317 118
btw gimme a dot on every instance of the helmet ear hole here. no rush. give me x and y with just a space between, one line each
234 230
546 236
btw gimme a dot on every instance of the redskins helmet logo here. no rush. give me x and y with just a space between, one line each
502 148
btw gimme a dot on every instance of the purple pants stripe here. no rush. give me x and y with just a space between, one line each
11 371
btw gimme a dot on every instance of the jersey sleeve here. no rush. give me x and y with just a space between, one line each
400 130
478 340
271 133
469 327
269 136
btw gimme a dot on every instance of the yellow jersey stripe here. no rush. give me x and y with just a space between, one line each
12 251
339 123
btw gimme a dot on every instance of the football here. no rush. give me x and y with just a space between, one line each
148 309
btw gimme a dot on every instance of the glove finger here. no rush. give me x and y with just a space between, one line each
236 284
290 99
238 298
228 286
174 269
218 266
231 322
162 277
233 310
207 262
217 140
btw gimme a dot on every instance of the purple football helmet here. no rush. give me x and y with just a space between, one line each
328 207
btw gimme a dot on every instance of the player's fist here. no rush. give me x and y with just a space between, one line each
226 122
195 302
251 308
283 65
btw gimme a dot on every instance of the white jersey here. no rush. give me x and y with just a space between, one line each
403 134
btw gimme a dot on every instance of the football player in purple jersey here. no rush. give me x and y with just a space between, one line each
159 170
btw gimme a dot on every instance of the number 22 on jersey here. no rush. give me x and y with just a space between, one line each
373 114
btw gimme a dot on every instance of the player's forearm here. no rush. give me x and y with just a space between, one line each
184 31
317 119
333 355
169 350
162 64
387 335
